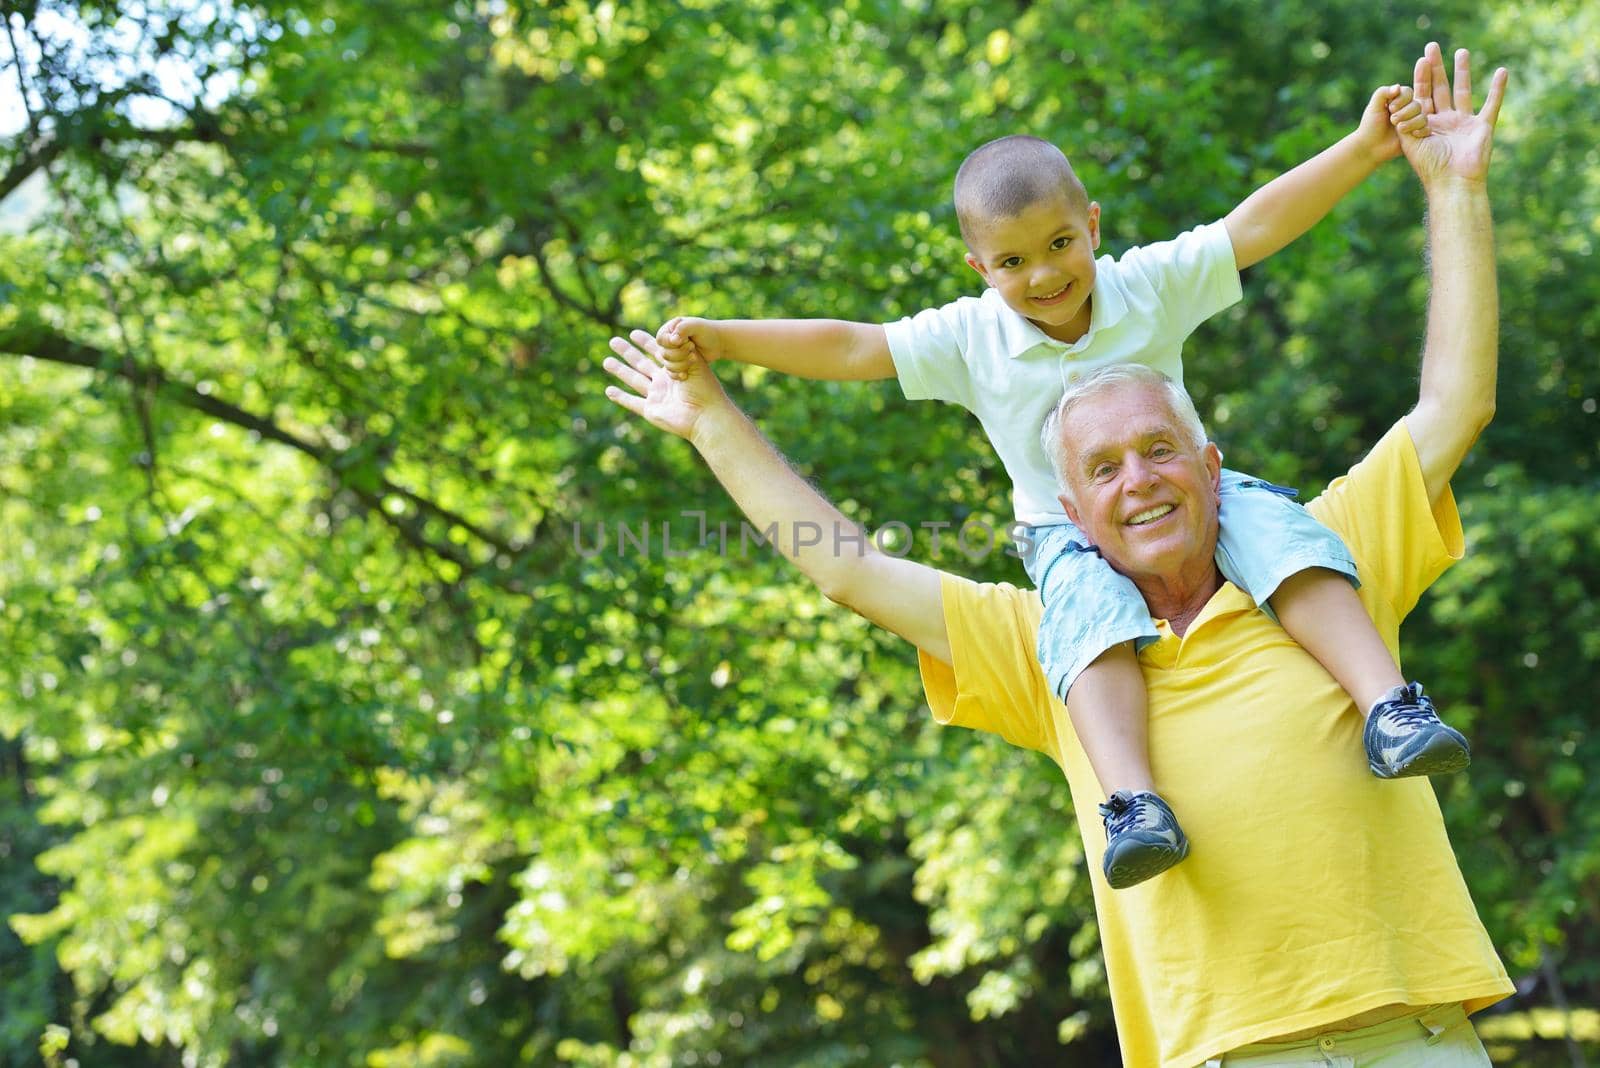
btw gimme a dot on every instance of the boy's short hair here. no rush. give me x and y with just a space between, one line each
1001 179
1110 377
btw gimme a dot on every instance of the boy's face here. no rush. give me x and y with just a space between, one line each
1042 262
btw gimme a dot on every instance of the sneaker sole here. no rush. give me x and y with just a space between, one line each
1146 865
1443 757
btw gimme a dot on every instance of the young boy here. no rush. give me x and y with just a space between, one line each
1053 312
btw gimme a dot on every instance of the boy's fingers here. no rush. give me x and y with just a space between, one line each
1401 97
1463 87
626 375
1406 114
1497 92
1422 83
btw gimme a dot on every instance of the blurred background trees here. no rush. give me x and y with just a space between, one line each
328 737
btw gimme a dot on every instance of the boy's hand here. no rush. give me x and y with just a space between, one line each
676 405
1393 110
684 339
1459 142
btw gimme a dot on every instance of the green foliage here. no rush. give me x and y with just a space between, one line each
328 737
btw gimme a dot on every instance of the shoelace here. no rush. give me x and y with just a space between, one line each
1122 814
1412 710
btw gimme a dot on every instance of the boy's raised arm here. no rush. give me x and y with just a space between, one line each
831 349
833 552
1295 201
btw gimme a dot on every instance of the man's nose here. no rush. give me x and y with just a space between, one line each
1138 474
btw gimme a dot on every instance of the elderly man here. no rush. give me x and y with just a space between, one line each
1321 918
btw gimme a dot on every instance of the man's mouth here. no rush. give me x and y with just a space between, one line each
1054 298
1149 515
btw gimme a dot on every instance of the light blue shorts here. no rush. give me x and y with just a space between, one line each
1263 538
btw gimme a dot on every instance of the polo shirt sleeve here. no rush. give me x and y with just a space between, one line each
1401 541
996 683
929 352
1193 276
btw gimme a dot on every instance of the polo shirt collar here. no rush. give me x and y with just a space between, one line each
1018 336
1229 600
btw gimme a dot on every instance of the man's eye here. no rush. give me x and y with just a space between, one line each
1160 452
1102 472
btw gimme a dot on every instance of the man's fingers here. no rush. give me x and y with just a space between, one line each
647 352
636 359
630 401
1422 83
1441 80
626 375
1463 86
1497 92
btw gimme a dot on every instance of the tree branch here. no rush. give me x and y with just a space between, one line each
42 343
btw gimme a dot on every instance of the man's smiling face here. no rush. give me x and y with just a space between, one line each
1141 490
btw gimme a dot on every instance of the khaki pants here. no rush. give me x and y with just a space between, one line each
1428 1038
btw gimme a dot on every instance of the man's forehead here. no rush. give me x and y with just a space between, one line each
1118 414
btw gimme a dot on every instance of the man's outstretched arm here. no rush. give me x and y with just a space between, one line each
832 551
1460 354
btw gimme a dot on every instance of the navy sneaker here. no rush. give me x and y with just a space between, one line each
1404 736
1142 838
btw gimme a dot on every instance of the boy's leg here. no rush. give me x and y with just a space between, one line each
1108 707
1271 547
1091 620
1321 610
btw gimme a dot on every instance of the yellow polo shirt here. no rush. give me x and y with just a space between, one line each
1313 891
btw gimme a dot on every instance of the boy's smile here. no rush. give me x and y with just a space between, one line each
1041 261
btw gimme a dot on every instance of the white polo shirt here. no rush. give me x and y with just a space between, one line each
978 353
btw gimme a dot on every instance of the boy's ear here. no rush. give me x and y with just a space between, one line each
977 265
1094 224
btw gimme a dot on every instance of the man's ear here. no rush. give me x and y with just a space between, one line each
1094 224
1212 456
977 265
1072 513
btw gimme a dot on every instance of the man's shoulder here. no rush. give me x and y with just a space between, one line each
993 682
1401 538
1374 479
983 601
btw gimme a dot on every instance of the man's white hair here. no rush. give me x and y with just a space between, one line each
1107 378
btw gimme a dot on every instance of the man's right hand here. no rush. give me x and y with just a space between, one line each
1458 142
684 339
676 405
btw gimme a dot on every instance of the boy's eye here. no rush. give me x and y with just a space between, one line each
1060 243
1011 261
